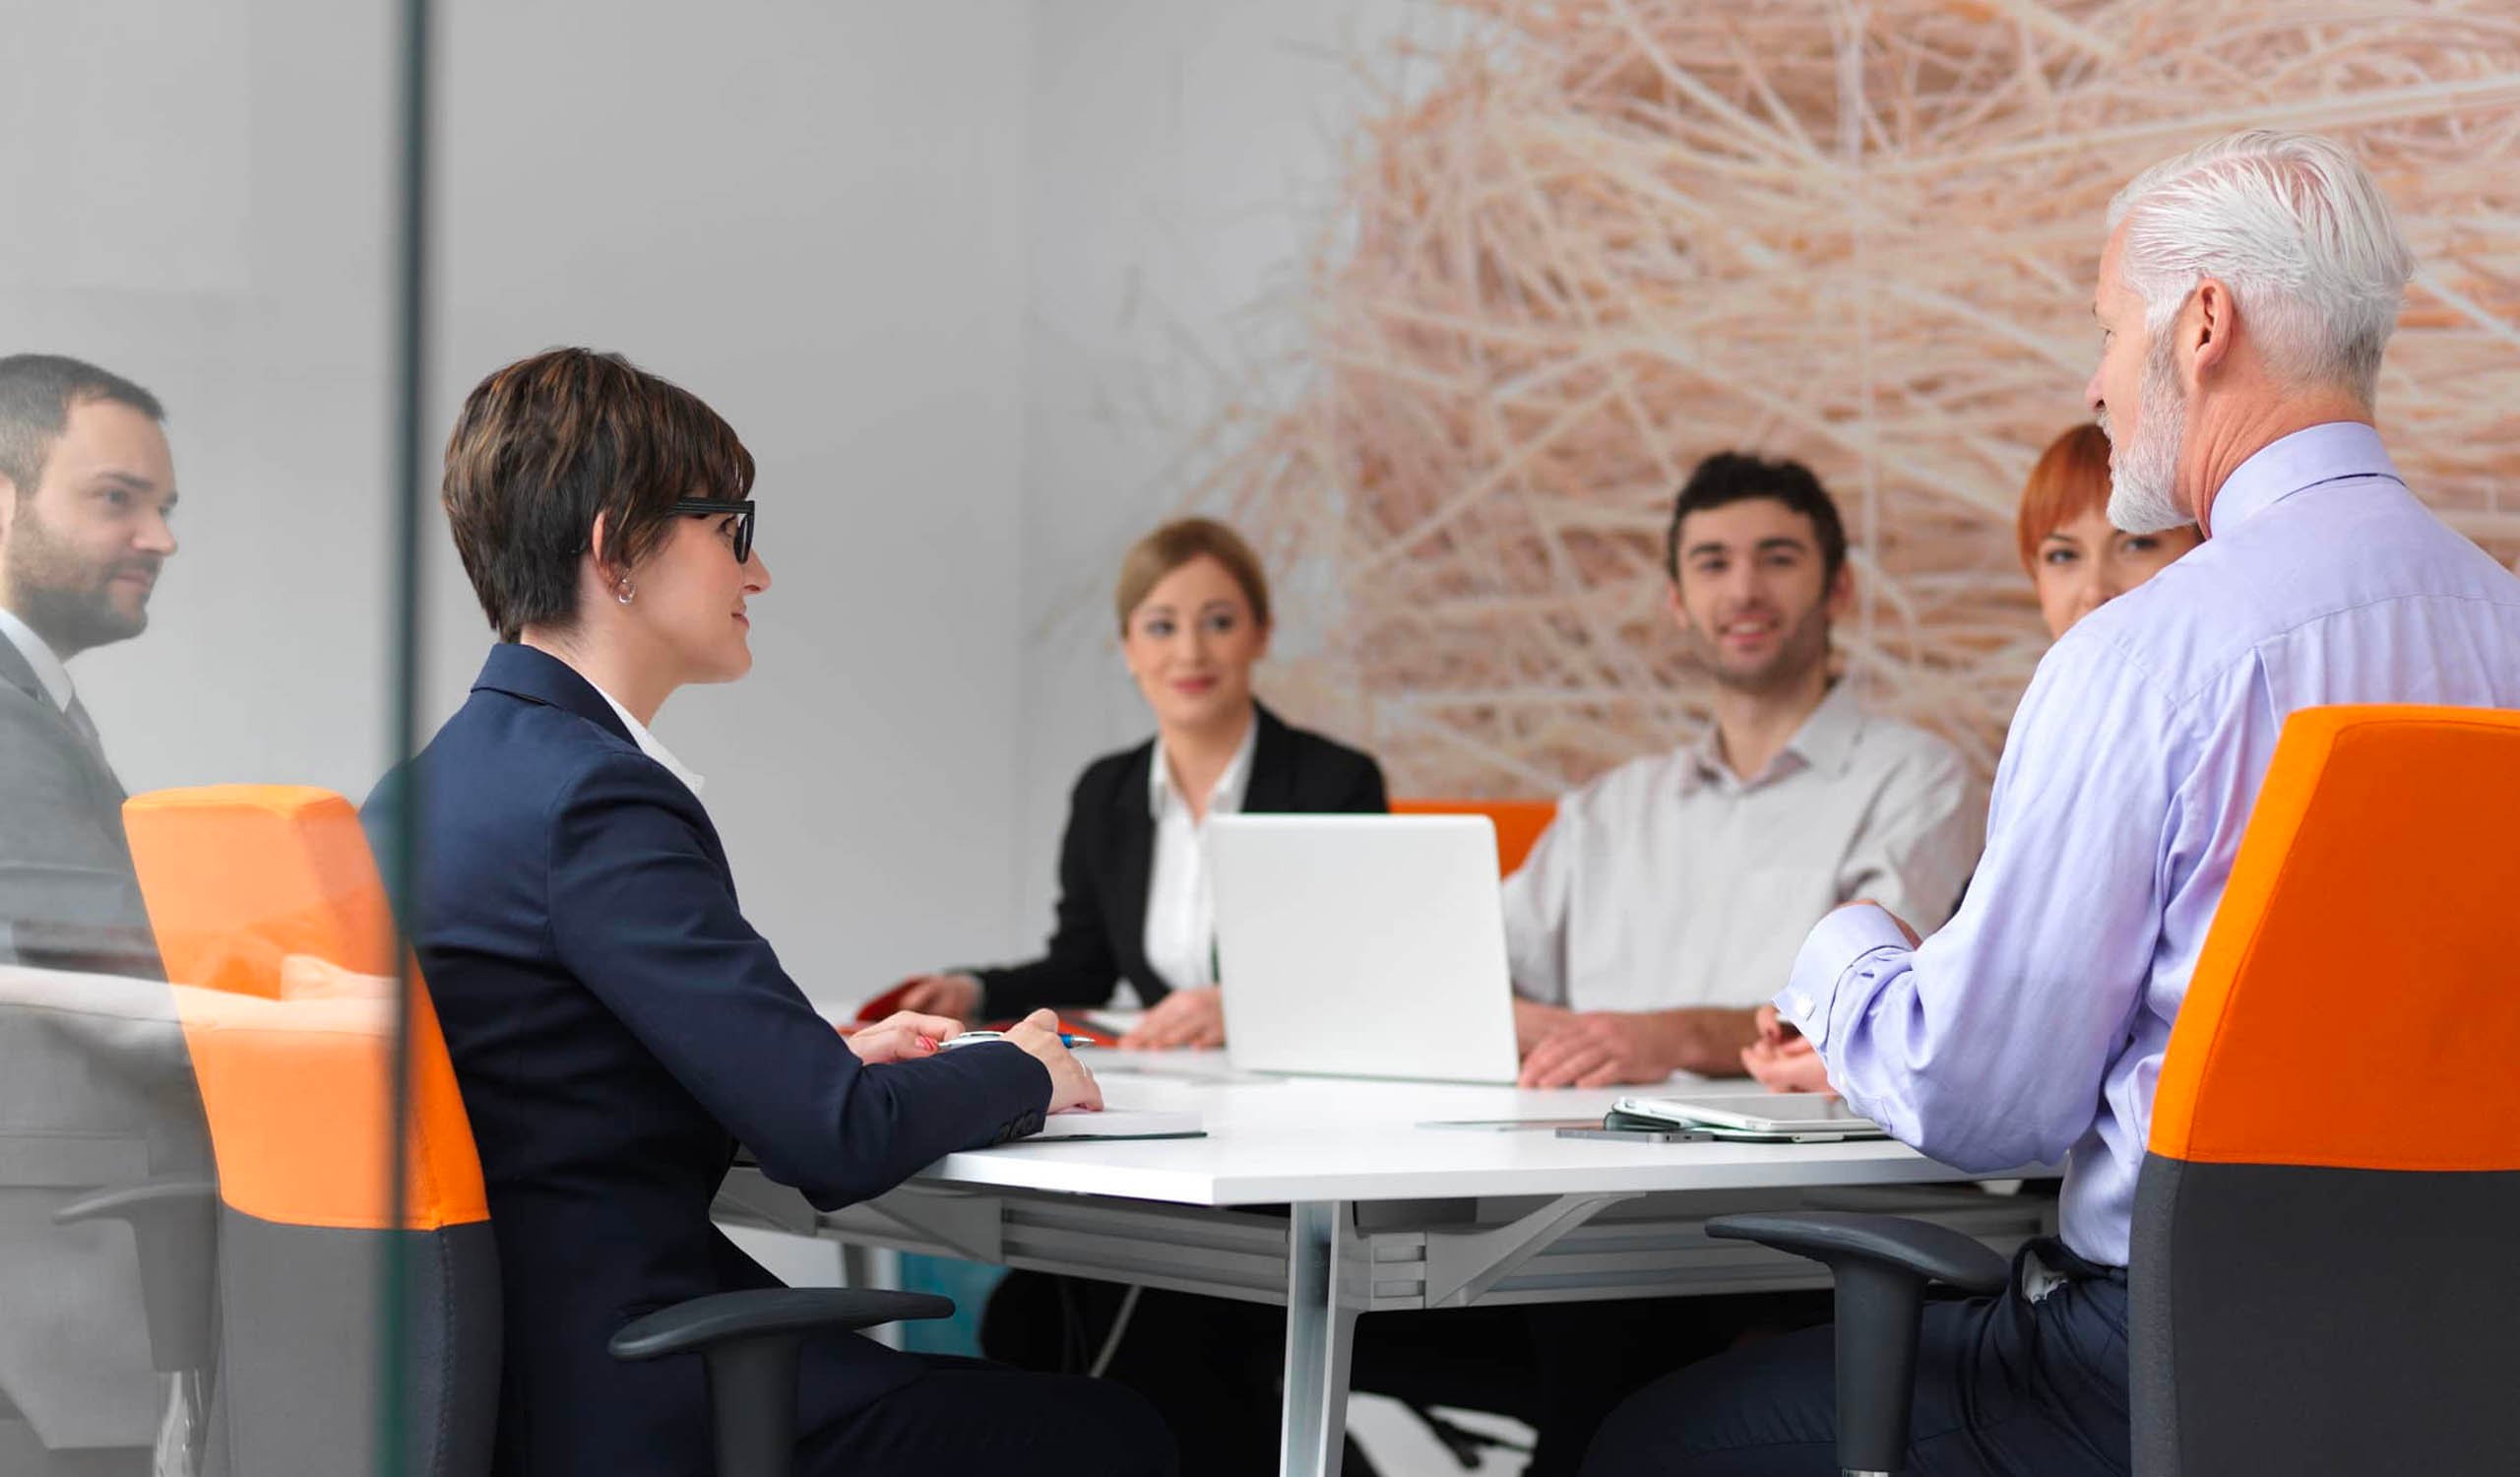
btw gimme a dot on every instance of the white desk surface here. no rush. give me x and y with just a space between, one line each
1276 1139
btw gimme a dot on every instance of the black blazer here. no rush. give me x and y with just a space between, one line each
1108 861
616 1027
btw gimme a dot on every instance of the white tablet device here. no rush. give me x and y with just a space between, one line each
1791 1117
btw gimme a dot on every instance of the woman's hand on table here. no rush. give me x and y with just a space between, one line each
957 995
1183 1018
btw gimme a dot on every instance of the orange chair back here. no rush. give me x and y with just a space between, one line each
241 876
276 932
2359 979
2320 1275
1518 823
237 879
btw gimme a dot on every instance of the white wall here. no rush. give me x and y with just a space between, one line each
195 200
965 275
811 216
1183 158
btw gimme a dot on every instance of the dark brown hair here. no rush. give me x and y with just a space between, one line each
1730 477
1176 544
36 392
544 445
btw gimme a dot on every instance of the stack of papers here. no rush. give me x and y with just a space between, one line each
1120 1122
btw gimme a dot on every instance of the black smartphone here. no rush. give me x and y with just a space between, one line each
1663 1135
1635 1127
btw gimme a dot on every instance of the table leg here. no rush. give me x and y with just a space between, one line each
1321 1330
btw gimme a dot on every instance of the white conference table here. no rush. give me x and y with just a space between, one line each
1339 1198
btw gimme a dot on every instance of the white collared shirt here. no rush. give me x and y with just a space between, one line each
1672 881
39 656
1180 906
648 745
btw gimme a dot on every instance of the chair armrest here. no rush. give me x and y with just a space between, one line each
1881 1264
149 1200
1937 1254
174 1227
702 1324
749 1339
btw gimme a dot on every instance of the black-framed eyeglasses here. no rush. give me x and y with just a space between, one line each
743 511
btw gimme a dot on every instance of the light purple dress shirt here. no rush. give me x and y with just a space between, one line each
2031 1027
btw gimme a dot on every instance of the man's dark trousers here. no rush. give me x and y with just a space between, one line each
2005 1388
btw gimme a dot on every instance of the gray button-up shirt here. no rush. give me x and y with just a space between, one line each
1671 881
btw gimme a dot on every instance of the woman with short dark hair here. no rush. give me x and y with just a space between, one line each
617 1027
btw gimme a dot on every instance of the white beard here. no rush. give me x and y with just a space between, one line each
2141 475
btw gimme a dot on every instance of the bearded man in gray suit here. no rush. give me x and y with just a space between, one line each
86 487
95 1091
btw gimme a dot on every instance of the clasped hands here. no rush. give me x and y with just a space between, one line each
1563 1048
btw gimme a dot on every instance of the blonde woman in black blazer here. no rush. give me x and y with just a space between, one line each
1193 609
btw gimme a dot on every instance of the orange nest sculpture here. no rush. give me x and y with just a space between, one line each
1615 235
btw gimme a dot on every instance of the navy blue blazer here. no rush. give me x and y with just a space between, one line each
617 1028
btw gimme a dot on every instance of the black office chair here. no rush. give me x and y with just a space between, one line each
2323 1277
750 1341
297 1094
1882 1266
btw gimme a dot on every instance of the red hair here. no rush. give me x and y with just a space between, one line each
2071 479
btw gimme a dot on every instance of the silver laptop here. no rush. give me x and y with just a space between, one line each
1362 945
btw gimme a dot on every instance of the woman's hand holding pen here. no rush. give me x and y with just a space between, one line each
1072 1084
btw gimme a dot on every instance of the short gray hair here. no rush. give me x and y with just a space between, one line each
2298 230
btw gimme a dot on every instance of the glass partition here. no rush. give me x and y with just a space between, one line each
208 414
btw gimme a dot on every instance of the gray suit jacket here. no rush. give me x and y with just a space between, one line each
68 897
95 1090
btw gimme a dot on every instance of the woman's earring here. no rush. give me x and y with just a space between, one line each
622 591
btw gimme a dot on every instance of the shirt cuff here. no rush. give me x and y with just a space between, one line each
1836 945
